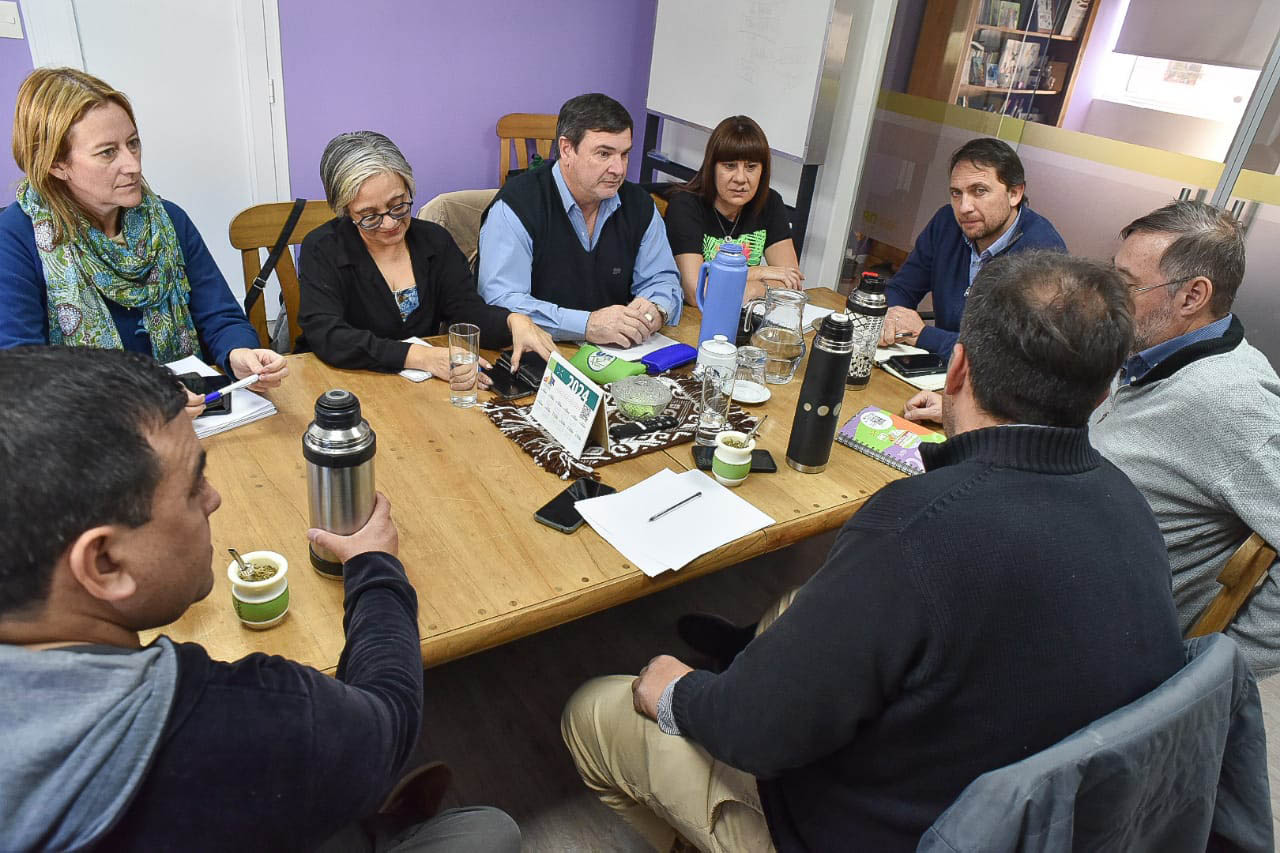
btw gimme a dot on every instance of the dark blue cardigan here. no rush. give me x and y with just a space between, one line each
940 263
218 318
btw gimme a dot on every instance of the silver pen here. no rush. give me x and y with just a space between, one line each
676 505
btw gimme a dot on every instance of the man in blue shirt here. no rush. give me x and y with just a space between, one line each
988 216
577 247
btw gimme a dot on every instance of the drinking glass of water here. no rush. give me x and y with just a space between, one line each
717 390
781 334
464 364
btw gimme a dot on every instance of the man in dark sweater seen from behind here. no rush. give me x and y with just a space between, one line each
965 618
109 744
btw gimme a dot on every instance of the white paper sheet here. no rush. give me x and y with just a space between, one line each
416 375
679 536
883 354
812 317
246 406
639 351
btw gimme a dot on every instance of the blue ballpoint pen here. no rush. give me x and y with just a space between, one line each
210 399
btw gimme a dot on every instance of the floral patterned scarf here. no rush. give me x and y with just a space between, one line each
147 272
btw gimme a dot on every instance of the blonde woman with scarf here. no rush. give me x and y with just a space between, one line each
90 256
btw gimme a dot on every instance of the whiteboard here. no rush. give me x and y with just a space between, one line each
761 58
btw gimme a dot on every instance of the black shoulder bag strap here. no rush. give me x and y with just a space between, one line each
273 257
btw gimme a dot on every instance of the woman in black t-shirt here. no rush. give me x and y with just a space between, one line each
729 200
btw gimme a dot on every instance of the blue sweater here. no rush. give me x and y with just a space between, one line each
940 263
219 320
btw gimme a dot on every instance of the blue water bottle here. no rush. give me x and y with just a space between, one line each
721 283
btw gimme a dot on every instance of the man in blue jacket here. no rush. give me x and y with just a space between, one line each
989 216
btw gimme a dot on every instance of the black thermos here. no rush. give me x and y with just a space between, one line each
818 410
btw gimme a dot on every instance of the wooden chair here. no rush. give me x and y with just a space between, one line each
257 228
518 130
1242 573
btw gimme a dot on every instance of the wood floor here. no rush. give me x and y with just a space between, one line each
495 716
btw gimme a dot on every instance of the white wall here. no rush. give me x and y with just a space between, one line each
831 211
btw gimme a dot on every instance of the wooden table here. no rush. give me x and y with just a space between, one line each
463 496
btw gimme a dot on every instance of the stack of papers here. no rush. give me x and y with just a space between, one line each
246 406
714 518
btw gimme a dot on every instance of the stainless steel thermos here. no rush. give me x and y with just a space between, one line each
338 447
818 410
866 307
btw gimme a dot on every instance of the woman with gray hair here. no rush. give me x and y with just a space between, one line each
374 275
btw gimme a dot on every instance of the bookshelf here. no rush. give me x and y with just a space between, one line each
968 54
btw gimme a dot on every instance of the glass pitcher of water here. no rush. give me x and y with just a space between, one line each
781 333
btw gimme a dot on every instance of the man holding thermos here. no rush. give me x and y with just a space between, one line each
109 744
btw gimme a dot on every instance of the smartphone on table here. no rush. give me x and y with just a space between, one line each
761 460
523 382
919 364
203 385
560 513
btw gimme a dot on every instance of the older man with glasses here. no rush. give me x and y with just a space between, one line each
1194 416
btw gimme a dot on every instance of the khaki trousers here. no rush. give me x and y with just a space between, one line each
660 784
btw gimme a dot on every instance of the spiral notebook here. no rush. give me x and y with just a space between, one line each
893 440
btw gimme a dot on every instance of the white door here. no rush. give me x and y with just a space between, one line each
203 76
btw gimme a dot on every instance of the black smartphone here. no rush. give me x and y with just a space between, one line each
560 513
197 384
761 460
919 364
509 385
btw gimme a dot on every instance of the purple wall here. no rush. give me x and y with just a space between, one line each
15 64
443 73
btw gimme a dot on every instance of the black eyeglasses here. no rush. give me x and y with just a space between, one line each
1166 284
396 212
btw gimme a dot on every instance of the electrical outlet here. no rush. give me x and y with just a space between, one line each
10 23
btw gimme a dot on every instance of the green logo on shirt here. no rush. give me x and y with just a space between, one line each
753 243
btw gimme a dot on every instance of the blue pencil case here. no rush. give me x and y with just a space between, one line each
669 358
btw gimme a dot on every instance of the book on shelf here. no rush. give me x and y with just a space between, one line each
1044 16
1008 13
1073 20
1008 73
977 64
1028 60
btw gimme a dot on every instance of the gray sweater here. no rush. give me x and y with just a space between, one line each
1200 437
